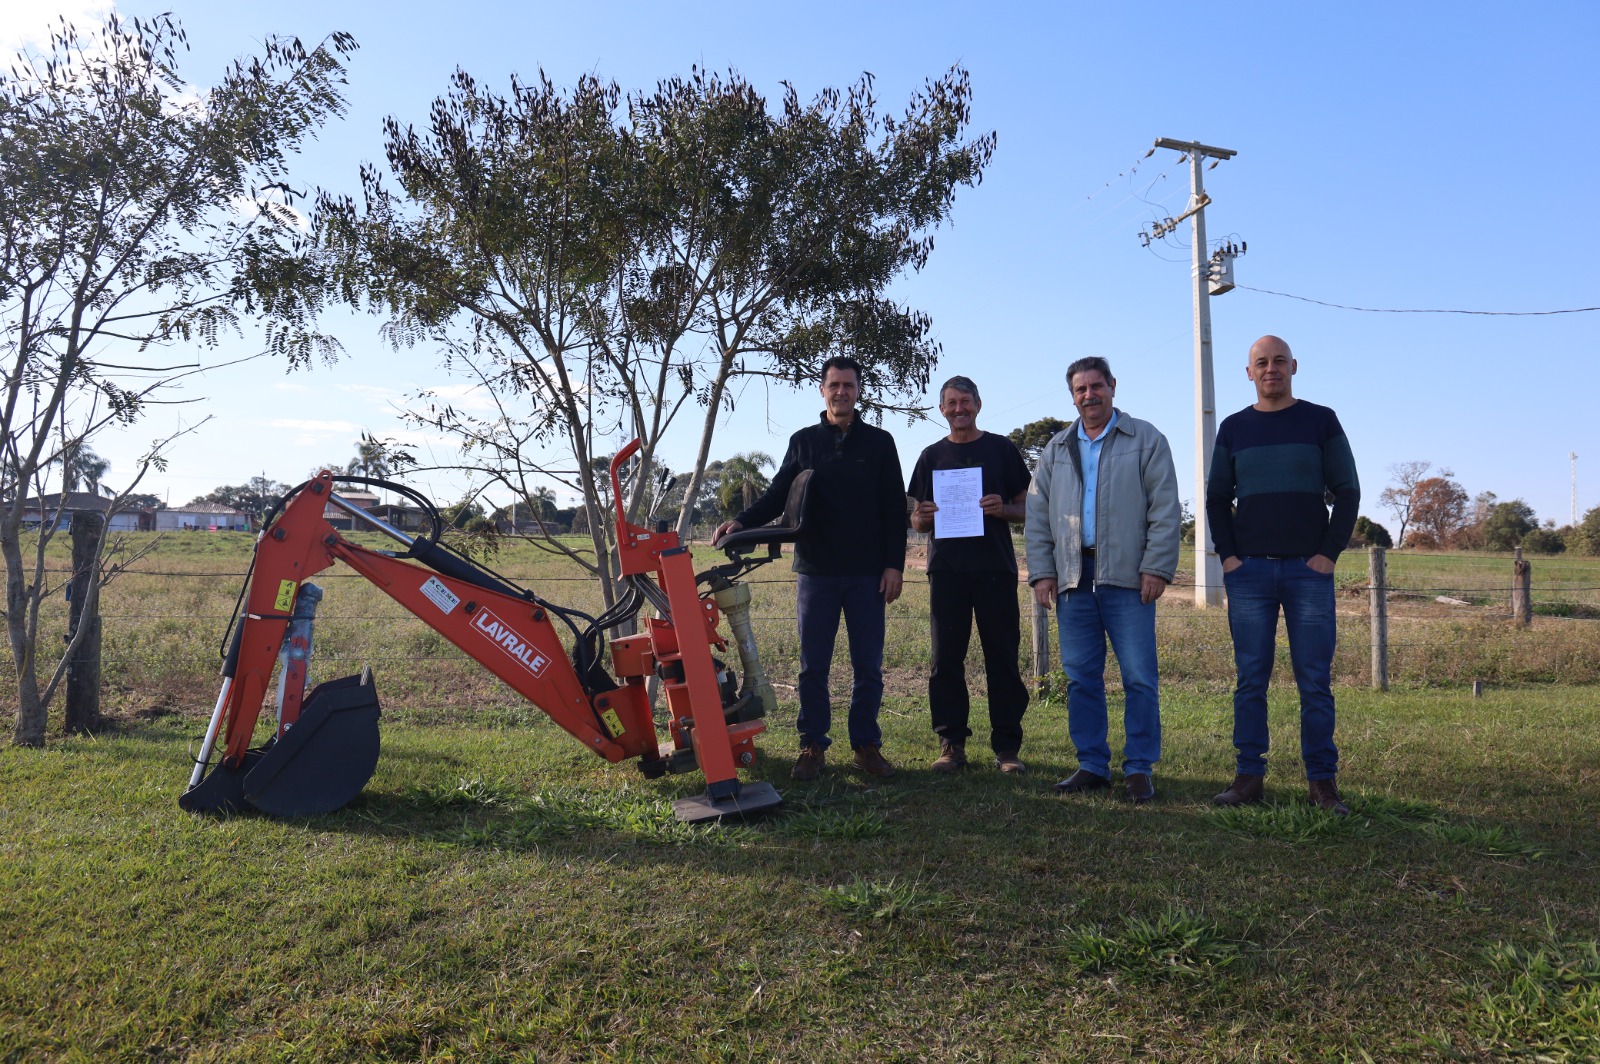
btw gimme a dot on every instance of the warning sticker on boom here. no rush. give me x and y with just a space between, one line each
435 591
285 600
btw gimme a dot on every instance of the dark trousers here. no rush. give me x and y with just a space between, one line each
821 601
956 600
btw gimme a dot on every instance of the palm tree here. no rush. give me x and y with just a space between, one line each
371 460
79 462
742 480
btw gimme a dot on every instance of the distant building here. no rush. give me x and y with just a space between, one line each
204 516
396 515
131 518
341 519
519 519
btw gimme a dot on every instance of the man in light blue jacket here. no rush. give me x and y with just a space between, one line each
1103 528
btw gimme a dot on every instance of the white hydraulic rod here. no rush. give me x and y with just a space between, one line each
211 735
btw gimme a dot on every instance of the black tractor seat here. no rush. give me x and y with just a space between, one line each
786 529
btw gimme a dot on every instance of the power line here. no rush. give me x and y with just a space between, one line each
1391 310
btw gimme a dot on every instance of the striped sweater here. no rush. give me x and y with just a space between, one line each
1271 475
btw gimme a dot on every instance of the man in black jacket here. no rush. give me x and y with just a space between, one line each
849 562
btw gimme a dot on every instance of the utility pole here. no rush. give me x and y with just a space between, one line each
1207 567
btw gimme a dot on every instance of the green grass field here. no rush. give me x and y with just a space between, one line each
499 894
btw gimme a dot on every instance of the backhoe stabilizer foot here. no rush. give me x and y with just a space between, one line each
749 800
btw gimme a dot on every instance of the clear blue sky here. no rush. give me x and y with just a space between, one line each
1390 155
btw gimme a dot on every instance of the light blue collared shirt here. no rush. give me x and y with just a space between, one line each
1089 454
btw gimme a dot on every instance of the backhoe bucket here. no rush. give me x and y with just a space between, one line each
322 762
222 791
318 766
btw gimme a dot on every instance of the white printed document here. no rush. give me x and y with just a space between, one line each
956 493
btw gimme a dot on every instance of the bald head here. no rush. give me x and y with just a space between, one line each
1271 367
1270 342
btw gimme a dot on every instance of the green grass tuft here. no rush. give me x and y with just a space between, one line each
474 791
883 902
850 825
1176 944
1540 1004
1299 821
1370 818
1486 841
561 813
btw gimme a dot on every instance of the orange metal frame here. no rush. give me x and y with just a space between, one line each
511 637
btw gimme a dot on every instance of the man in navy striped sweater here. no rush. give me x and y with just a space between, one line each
1275 465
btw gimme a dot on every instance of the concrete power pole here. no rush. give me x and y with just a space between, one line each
1207 567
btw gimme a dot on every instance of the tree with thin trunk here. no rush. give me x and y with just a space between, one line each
1399 497
135 215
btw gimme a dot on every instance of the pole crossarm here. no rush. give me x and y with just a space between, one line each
1195 147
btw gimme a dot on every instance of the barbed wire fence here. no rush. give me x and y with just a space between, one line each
1458 619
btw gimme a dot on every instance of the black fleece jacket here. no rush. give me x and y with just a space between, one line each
855 520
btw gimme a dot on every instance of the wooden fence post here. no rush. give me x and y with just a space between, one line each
1521 590
1041 642
1378 600
83 670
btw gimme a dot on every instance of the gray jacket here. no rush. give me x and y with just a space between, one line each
1138 521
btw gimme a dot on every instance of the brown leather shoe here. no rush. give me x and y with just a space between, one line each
1008 762
809 765
1082 780
952 757
1244 790
870 759
1140 788
1325 796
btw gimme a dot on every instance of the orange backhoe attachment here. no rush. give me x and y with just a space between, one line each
324 748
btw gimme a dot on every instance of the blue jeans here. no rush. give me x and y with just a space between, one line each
1256 591
1087 615
821 600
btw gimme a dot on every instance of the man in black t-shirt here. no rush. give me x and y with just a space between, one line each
973 576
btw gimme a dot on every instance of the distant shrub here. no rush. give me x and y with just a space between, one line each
1544 541
1368 533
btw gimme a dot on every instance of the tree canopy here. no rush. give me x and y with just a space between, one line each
1507 523
254 497
1585 535
136 214
1032 437
1438 511
1368 533
592 261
